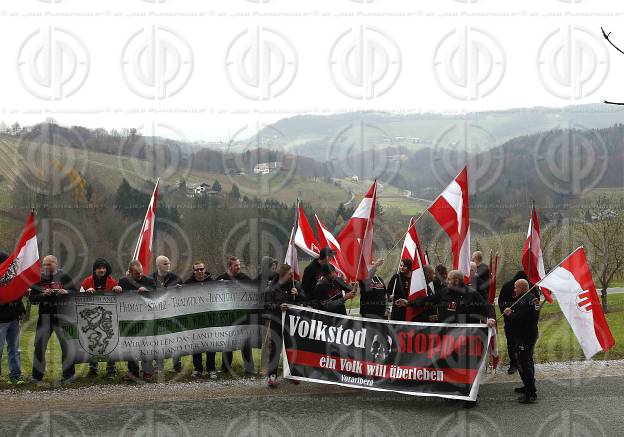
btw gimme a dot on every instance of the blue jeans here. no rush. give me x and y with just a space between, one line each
10 332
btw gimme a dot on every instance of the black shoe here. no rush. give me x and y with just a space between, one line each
526 399
512 370
92 373
520 389
177 368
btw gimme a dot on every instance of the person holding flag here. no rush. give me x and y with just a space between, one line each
400 285
283 290
373 294
10 315
524 315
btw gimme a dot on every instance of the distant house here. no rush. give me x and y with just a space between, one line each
407 193
263 168
199 189
354 178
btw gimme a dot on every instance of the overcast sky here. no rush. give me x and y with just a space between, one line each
217 70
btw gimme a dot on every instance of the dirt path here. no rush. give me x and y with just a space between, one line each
20 402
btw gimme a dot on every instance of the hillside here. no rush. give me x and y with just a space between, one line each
326 137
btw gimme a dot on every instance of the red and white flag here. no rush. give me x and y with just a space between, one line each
327 239
572 285
451 210
304 236
532 258
143 248
356 239
291 256
22 268
418 283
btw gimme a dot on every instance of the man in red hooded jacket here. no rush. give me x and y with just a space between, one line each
101 280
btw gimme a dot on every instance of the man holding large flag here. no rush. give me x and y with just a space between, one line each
524 314
18 272
451 210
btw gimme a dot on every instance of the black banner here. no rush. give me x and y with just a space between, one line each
424 359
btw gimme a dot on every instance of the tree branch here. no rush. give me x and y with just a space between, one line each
606 36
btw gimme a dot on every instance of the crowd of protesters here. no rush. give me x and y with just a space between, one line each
448 298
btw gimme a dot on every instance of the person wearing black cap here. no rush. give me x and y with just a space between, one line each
313 272
10 315
101 280
331 292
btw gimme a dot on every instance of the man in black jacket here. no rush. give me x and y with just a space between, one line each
313 271
331 292
457 303
50 294
10 315
524 314
233 273
164 277
482 273
373 294
505 300
398 287
283 290
201 275
136 280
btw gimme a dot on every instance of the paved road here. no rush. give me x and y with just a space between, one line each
588 408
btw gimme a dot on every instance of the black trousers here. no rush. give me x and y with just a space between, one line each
46 324
511 345
275 346
210 362
526 366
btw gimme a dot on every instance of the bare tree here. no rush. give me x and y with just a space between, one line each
604 236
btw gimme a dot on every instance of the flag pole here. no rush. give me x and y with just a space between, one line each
545 276
531 239
290 242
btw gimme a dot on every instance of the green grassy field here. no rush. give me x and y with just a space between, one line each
556 343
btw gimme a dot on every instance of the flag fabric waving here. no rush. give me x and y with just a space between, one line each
356 239
22 268
418 284
143 248
532 258
304 236
291 256
572 285
327 239
452 212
